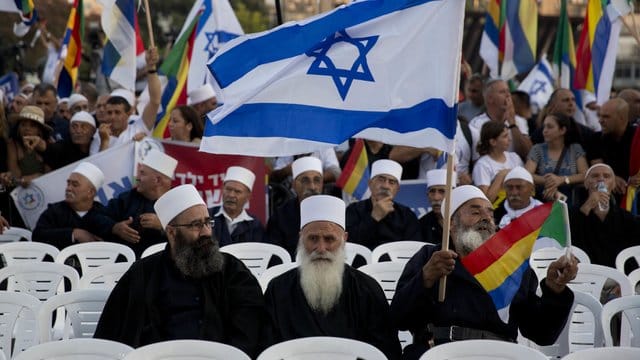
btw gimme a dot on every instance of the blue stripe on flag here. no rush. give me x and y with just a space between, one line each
599 48
110 58
492 30
503 294
330 125
363 186
296 40
127 8
523 57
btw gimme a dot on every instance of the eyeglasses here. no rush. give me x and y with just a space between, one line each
197 224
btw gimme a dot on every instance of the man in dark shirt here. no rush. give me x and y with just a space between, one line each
379 219
190 290
431 222
45 97
65 152
324 296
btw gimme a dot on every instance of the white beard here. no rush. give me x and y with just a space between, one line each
468 241
321 280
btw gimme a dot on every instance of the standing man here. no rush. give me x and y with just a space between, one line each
324 296
284 223
232 222
190 290
379 219
518 185
82 129
473 104
73 220
431 222
45 97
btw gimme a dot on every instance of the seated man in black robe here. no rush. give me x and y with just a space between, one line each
232 222
379 219
75 219
431 222
324 296
468 312
188 291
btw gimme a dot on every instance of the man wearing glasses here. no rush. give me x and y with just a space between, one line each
188 291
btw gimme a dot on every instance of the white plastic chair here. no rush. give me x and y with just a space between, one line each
75 349
634 278
591 279
40 279
153 249
82 308
352 250
608 353
256 255
187 350
482 350
15 234
274 272
630 307
398 251
94 254
104 277
12 311
322 347
26 251
626 254
540 259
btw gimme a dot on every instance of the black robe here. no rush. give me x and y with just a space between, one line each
430 228
362 312
401 224
283 226
233 310
467 304
603 240
245 231
57 222
63 152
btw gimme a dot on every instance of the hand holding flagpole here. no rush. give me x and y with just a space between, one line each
446 221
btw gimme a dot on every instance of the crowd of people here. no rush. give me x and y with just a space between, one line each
508 161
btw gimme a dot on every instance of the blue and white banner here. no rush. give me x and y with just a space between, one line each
383 70
539 84
9 86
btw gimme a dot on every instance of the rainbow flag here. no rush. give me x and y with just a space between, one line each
500 263
632 196
176 69
597 47
71 50
355 175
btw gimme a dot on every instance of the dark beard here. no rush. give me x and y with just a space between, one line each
199 259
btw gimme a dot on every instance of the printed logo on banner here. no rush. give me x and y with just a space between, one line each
30 198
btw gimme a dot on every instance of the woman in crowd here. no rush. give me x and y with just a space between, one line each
185 125
559 163
495 161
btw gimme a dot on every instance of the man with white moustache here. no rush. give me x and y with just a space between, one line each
518 185
431 222
324 296
468 312
74 219
82 128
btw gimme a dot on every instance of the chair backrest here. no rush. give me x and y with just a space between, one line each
541 258
104 277
26 251
13 308
617 353
386 274
74 349
634 278
352 250
187 350
15 234
82 308
630 308
322 347
256 255
94 254
591 279
40 279
626 254
398 251
274 272
153 249
482 350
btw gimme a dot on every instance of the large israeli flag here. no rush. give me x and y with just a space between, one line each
384 70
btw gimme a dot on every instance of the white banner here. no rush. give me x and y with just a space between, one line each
116 163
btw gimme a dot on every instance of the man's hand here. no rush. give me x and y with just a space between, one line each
152 58
595 198
150 221
440 264
124 231
510 112
620 187
104 131
381 208
139 136
560 272
82 236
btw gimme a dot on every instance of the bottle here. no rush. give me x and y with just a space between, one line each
602 187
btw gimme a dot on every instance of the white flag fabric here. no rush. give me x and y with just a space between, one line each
539 83
118 23
383 70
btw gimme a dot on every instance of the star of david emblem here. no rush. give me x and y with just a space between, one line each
215 40
537 86
342 78
28 198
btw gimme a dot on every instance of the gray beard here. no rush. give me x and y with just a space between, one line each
468 239
321 280
197 261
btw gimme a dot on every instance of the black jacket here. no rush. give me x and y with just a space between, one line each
57 222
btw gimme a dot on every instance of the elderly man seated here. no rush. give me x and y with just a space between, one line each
468 311
518 185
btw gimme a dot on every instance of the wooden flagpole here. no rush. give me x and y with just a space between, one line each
446 220
149 27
